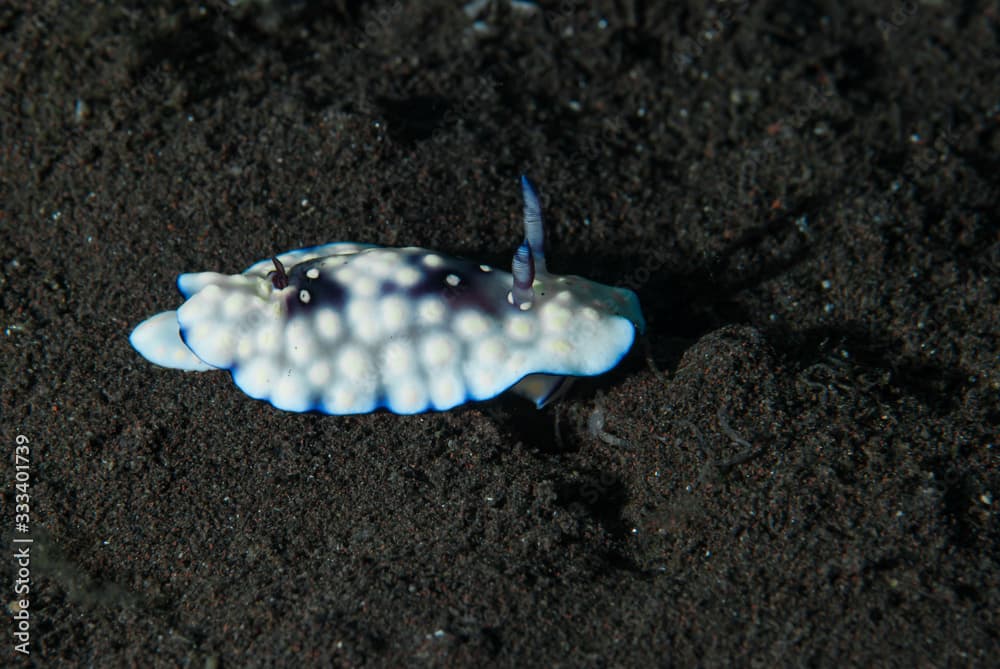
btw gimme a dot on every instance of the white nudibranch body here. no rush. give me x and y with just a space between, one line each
350 328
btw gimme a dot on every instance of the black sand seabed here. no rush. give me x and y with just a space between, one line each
805 201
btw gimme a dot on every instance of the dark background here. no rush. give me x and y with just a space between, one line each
797 465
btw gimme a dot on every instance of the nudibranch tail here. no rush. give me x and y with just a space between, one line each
542 389
534 231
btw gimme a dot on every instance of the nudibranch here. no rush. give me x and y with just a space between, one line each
349 328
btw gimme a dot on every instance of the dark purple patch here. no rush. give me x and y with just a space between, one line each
476 289
324 291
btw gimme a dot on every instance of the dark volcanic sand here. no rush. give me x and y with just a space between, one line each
805 201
